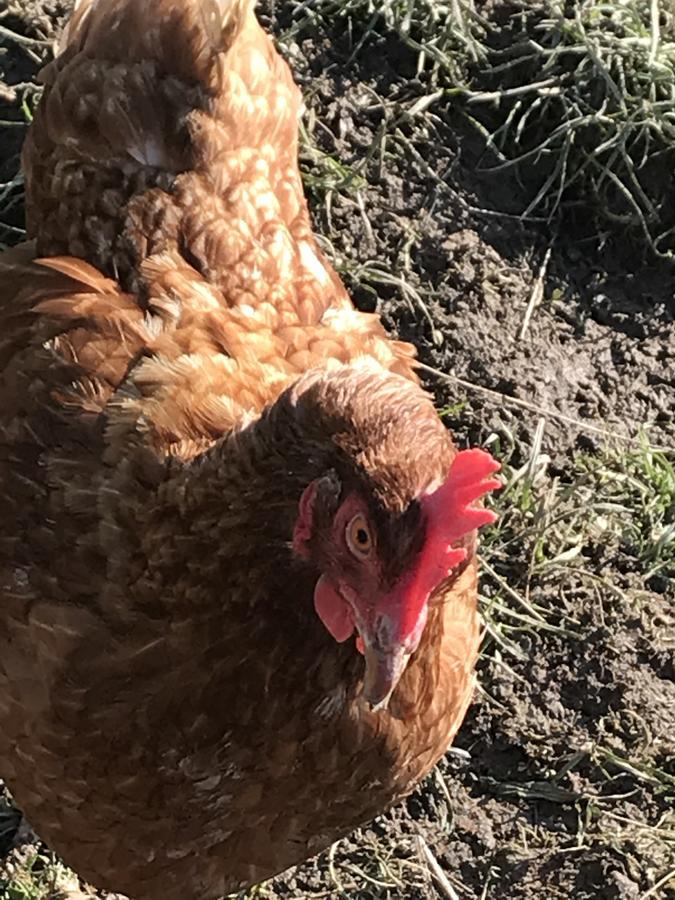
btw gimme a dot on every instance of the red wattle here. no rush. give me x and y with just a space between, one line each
333 610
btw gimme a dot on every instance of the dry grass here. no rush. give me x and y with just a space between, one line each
584 101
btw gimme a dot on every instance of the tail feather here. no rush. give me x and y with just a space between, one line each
142 92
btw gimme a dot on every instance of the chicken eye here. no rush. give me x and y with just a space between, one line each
358 537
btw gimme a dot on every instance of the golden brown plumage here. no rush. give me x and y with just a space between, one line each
189 408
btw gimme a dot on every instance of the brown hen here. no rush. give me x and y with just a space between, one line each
237 545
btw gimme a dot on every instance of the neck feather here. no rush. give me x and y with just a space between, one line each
221 530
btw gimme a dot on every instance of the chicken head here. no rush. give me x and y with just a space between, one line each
378 568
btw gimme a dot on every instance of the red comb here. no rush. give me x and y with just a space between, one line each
450 515
449 508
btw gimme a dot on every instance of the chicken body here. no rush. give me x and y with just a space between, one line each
175 719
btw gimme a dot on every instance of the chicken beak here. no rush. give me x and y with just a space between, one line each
384 668
389 639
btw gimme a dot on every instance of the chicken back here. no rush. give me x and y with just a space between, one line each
237 545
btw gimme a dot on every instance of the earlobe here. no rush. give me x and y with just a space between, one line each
302 531
322 493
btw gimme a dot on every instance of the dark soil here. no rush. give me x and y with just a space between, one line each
547 805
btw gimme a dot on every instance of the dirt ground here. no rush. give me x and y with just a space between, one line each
565 780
